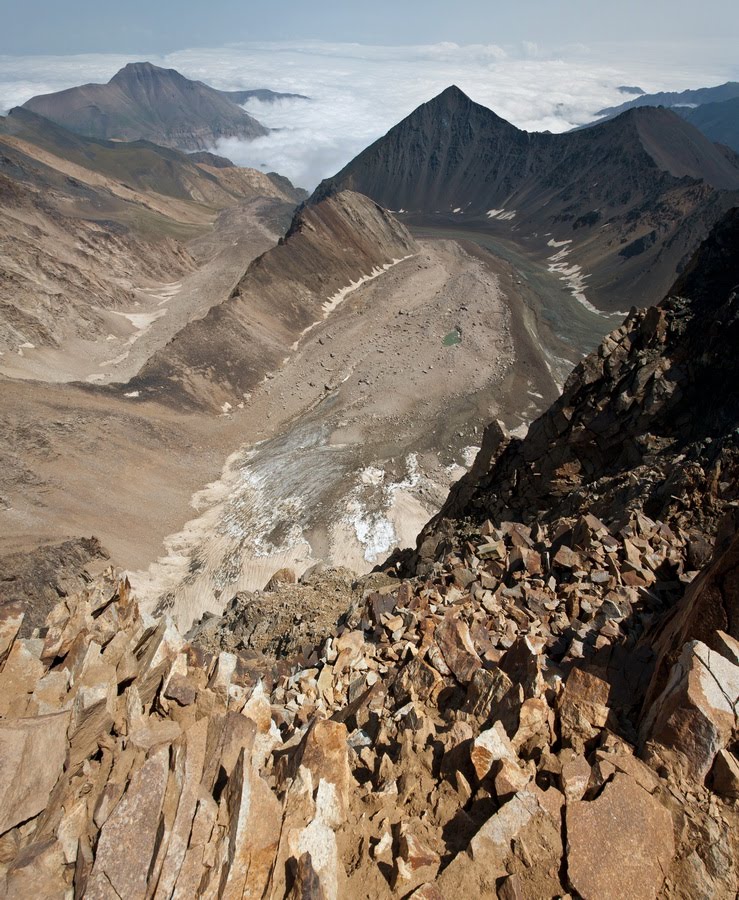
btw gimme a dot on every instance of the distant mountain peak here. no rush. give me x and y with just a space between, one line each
452 93
147 102
145 69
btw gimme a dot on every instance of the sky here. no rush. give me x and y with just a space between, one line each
541 65
162 26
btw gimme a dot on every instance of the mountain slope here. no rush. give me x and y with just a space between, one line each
647 423
627 201
143 101
694 97
543 690
718 121
329 247
87 223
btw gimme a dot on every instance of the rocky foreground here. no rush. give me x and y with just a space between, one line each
475 731
545 706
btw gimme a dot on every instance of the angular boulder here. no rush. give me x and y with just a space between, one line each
619 845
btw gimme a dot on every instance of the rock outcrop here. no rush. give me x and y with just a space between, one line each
468 732
645 423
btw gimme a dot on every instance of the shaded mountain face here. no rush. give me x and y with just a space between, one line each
648 423
628 201
718 121
694 97
329 246
143 101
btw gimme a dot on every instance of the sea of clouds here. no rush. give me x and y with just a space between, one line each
358 92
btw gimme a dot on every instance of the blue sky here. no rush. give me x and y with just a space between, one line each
160 26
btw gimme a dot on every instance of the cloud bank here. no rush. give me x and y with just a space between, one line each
358 92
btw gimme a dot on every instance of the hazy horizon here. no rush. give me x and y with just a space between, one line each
360 91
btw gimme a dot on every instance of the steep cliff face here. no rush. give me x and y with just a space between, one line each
626 201
143 101
329 248
648 421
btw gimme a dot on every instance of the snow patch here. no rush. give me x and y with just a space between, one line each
469 454
141 321
502 215
368 514
574 277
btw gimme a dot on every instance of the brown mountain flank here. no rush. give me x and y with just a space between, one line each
145 102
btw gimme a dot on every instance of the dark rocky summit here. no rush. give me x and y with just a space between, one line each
627 201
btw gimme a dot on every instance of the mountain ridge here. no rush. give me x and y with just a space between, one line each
645 185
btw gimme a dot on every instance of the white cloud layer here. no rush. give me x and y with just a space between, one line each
358 92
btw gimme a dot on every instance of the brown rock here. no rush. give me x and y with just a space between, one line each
11 619
522 663
415 864
454 640
306 883
189 762
637 832
535 726
324 752
318 838
93 713
39 872
510 778
19 677
696 714
710 605
488 748
583 708
485 693
567 558
128 841
725 775
575 775
492 842
180 690
281 576
32 754
254 816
